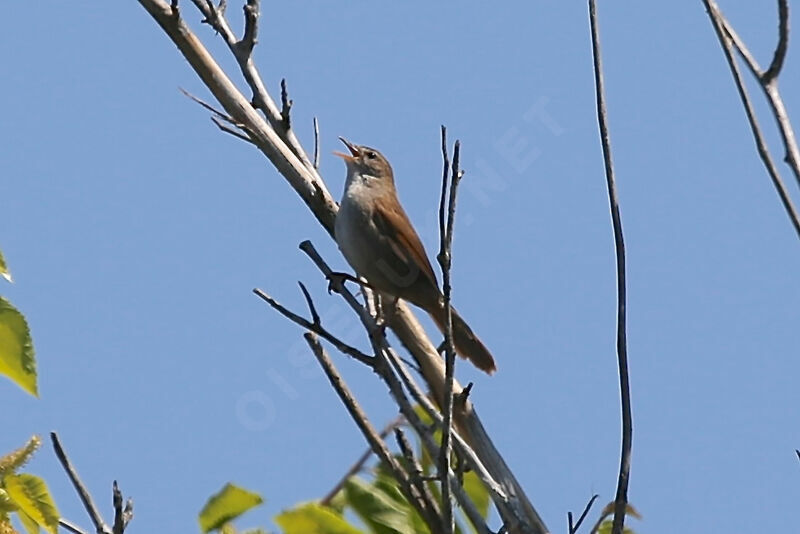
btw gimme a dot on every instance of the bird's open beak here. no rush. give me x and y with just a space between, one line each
354 152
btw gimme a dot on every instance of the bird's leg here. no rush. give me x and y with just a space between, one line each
337 279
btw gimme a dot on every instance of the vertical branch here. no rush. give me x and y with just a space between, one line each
621 500
445 261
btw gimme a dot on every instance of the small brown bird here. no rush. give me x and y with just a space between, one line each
379 242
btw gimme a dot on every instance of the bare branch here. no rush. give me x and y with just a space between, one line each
252 10
574 528
445 261
122 516
286 105
72 527
373 438
86 498
317 329
316 143
311 307
621 500
207 106
215 17
359 464
228 130
728 40
261 98
497 493
783 43
416 473
383 366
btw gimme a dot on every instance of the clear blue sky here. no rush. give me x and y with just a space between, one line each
135 232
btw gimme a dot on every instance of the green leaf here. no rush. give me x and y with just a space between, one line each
379 510
27 521
4 272
605 528
16 459
388 485
6 504
31 495
16 348
313 518
231 502
338 502
477 492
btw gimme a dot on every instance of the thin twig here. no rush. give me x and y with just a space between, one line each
122 515
316 328
621 500
373 438
72 527
219 117
416 473
729 40
316 143
286 105
252 10
445 261
783 43
574 528
86 498
359 464
311 308
261 98
227 129
206 105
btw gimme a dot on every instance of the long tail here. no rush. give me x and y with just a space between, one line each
466 342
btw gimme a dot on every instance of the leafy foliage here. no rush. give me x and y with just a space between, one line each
375 500
17 360
24 494
313 518
222 508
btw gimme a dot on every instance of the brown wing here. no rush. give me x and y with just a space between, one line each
393 223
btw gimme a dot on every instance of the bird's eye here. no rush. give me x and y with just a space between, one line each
371 155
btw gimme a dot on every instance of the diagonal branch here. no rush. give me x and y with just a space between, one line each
86 498
312 191
370 433
729 40
316 328
573 528
356 467
621 500
243 52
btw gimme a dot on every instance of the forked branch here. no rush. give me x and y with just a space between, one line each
768 81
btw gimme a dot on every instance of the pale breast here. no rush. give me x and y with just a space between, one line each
352 230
